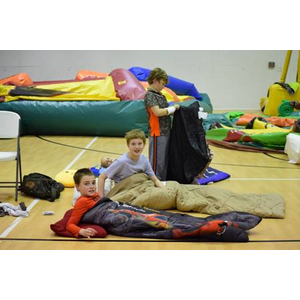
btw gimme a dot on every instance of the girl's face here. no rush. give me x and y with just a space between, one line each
87 186
136 147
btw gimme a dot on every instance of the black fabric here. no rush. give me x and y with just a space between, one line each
188 151
287 87
2 212
33 91
128 220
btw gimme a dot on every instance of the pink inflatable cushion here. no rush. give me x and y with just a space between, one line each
126 85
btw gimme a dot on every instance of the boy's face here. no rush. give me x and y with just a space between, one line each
136 147
159 84
87 185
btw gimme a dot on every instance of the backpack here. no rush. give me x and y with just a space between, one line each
41 186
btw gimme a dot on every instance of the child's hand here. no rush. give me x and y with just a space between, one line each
157 182
87 232
176 106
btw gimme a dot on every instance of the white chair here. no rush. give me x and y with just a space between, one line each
10 129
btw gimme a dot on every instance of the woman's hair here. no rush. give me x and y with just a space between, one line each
80 173
135 134
158 74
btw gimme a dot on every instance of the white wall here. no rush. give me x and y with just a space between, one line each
232 79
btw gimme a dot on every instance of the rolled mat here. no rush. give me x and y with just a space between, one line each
285 109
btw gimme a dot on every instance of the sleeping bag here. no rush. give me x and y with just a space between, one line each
128 220
188 152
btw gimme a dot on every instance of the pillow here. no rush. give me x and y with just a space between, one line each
87 74
21 79
178 86
60 227
126 85
66 178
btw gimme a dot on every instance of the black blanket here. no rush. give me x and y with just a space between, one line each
188 152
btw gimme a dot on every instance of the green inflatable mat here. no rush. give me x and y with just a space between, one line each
86 118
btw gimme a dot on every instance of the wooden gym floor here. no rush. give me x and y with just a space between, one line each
250 172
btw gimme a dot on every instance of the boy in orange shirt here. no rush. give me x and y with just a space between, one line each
85 183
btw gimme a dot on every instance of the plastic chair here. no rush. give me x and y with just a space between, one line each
10 129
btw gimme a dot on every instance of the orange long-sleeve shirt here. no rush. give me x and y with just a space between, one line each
82 205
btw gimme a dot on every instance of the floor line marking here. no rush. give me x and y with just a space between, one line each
80 154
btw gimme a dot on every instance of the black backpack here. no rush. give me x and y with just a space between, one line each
41 186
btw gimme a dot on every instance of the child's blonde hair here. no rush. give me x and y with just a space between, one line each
135 134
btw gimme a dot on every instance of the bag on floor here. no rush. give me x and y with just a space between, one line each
41 186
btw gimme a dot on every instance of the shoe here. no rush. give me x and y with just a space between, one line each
23 206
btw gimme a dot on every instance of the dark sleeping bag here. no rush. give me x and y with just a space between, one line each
128 220
188 151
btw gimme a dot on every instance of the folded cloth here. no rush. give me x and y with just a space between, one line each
212 175
14 210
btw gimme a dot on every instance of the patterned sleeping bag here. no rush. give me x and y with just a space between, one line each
128 220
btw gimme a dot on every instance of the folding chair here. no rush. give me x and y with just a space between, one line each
10 129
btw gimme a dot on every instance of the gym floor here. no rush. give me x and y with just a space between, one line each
250 172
